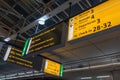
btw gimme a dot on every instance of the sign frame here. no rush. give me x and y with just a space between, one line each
94 34
61 67
62 41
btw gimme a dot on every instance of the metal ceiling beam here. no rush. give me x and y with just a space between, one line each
1 40
31 15
24 8
11 30
14 11
5 26
50 14
54 20
89 3
27 5
35 2
9 12
84 4
58 18
34 7
9 19
40 1
36 10
11 9
22 37
3 32
81 6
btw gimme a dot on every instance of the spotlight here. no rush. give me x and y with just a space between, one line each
41 22
7 39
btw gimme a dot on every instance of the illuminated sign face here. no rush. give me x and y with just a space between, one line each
53 68
99 18
13 55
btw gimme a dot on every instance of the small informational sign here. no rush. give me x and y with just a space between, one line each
54 68
13 55
99 18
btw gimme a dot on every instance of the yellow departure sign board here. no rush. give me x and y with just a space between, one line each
14 56
46 39
43 40
53 68
99 18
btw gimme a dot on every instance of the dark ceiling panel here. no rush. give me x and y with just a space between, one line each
41 27
84 4
25 5
3 7
37 15
46 1
11 3
21 10
14 18
62 15
2 13
34 3
25 35
60 2
54 5
56 19
74 10
49 23
16 29
31 19
6 22
95 2
32 31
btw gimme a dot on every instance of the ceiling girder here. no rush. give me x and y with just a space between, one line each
8 19
9 12
81 6
89 3
3 32
50 14
3 25
24 8
12 9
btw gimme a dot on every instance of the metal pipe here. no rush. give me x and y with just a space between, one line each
94 67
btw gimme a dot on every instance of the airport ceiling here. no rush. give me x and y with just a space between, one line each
19 20
20 16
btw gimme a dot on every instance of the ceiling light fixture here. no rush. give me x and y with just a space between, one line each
106 76
42 20
7 39
83 78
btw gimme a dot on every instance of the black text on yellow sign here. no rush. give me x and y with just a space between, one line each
14 56
99 18
53 68
46 39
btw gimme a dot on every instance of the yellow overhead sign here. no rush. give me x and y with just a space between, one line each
13 55
52 67
99 18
